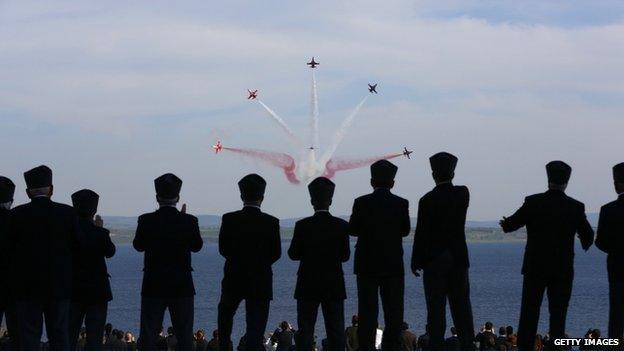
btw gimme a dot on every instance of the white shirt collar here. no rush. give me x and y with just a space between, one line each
161 206
317 211
254 206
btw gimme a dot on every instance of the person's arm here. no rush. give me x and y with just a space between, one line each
295 250
604 233
276 242
356 222
139 238
405 225
345 245
224 237
420 237
515 221
109 247
585 231
196 241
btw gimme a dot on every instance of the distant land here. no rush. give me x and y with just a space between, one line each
123 228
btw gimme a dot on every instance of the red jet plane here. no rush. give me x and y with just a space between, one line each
217 147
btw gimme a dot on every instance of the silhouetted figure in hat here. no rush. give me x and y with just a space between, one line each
440 251
43 236
321 244
610 239
249 241
552 220
91 289
7 302
168 237
380 220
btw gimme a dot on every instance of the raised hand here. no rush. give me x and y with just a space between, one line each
183 210
98 221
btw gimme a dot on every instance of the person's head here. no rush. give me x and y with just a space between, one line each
199 334
509 329
443 167
382 174
618 177
558 173
170 331
108 328
7 191
502 331
596 333
321 192
168 188
215 334
453 331
354 320
252 187
39 182
404 326
284 325
488 326
129 337
85 203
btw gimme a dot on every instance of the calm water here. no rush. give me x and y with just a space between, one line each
495 290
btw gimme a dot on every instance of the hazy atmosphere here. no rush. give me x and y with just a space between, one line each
112 94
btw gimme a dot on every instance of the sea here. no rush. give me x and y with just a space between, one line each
495 283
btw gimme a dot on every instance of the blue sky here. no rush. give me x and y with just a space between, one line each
113 94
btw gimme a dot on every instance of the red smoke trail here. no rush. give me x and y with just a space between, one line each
277 159
342 164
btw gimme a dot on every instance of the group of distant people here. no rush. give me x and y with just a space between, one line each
57 270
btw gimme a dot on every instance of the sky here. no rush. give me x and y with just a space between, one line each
113 94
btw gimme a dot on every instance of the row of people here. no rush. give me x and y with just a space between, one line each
56 256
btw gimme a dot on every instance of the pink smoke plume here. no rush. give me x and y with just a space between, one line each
277 159
342 164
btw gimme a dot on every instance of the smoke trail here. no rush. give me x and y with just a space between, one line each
315 114
293 138
277 159
343 164
340 133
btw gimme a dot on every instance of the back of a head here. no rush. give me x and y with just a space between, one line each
168 188
252 188
558 173
618 177
509 330
382 174
7 190
502 331
38 181
321 192
488 325
284 325
85 202
405 326
354 319
453 331
443 166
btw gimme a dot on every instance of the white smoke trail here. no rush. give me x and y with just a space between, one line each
293 138
315 114
340 133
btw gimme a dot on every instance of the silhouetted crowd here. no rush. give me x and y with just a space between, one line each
56 258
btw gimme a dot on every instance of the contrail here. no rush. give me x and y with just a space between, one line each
342 131
293 138
315 114
343 164
277 159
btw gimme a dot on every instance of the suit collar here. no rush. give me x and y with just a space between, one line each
251 208
381 191
41 199
167 209
321 213
444 185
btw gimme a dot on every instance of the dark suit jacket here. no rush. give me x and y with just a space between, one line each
90 279
167 237
379 220
4 258
552 219
610 238
43 235
321 244
249 241
440 226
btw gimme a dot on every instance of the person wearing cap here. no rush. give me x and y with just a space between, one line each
610 239
91 289
552 220
7 305
43 236
321 244
380 220
249 240
167 237
440 250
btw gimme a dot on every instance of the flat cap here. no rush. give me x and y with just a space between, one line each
252 187
38 177
168 186
558 172
85 202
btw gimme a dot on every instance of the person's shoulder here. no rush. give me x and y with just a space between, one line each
399 199
269 218
363 198
609 206
574 202
147 217
340 221
461 189
189 218
535 197
66 209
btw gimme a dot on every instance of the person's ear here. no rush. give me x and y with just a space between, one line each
51 191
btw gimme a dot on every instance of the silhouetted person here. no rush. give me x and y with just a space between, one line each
7 303
501 339
424 339
409 341
91 289
485 333
167 236
552 220
380 220
213 344
249 240
610 239
43 235
283 337
351 334
452 343
440 251
321 244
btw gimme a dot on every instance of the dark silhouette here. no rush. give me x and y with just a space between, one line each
610 239
484 335
424 339
42 237
249 240
552 220
440 251
321 244
212 345
91 289
380 220
409 341
452 343
284 337
351 335
167 236
7 303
